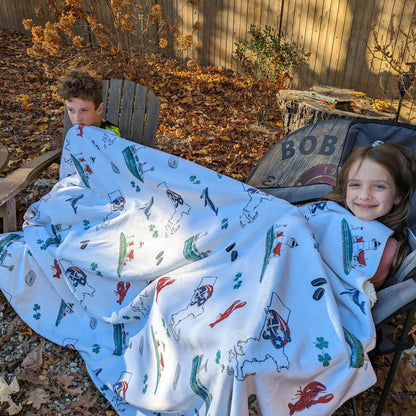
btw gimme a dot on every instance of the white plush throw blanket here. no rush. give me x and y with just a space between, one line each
189 293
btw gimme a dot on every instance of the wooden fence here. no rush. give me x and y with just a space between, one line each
337 33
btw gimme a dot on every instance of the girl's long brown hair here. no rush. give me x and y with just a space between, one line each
400 162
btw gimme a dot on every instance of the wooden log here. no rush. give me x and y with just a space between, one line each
300 108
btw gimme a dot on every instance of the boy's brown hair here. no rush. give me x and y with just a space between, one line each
83 84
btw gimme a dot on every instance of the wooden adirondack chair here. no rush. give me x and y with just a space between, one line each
4 157
130 106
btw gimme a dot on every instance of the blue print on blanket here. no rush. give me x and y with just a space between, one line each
187 292
275 240
251 210
5 242
190 249
196 306
120 387
64 310
136 168
83 167
249 355
355 247
77 280
178 209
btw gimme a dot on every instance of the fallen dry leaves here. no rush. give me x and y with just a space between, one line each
204 117
6 392
40 378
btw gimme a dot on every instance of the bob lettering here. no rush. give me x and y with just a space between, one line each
309 145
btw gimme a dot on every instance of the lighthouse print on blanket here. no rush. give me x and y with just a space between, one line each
189 293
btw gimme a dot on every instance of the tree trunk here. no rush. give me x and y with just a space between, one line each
300 108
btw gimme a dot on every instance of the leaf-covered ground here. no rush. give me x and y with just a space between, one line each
204 117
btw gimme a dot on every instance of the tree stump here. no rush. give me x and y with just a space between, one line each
300 108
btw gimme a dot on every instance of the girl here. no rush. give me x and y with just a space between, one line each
212 309
377 182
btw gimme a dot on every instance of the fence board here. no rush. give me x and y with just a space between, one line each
379 66
13 12
335 32
188 21
241 25
216 35
337 55
196 19
378 12
203 53
403 18
327 49
226 29
301 18
374 25
320 61
356 38
169 10
312 35
395 18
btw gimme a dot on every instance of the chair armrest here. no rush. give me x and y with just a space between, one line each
393 300
4 157
16 181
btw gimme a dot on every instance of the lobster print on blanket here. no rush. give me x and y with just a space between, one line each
187 292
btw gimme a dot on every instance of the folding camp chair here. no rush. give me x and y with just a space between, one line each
303 166
130 106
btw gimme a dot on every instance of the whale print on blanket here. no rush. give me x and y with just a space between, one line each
189 293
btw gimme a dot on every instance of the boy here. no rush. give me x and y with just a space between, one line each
82 93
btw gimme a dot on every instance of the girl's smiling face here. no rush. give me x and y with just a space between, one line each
371 191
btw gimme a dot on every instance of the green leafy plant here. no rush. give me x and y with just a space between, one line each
267 55
267 58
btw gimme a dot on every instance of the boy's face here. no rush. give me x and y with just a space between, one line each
83 112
